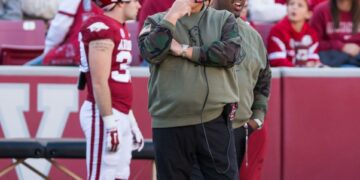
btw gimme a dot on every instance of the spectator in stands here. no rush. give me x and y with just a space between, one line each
254 77
44 9
10 10
111 134
181 45
337 23
266 11
292 42
61 43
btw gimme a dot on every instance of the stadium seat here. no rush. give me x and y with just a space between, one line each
23 40
29 33
264 30
18 54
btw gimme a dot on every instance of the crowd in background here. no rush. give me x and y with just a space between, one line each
24 9
309 33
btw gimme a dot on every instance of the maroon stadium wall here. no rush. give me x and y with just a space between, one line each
313 120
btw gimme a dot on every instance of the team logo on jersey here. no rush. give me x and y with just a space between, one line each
98 26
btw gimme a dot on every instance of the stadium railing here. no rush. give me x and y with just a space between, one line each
51 149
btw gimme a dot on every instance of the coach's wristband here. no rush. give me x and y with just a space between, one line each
184 47
259 123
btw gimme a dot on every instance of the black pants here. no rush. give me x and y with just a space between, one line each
240 145
178 149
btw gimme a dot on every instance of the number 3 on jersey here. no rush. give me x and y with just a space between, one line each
123 74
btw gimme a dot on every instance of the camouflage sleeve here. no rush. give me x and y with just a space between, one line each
155 40
261 93
223 53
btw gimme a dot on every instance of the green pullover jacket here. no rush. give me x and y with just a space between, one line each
254 77
178 87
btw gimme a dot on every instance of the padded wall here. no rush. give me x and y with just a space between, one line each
321 124
272 163
313 118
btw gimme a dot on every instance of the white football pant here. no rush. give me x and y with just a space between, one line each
100 163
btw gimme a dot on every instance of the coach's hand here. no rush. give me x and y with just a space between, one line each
175 48
253 124
178 9
111 133
138 139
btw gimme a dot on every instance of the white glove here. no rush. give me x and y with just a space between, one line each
138 139
112 135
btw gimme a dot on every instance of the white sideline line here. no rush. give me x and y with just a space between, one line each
321 72
275 72
144 71
58 71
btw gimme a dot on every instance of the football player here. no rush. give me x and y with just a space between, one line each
111 131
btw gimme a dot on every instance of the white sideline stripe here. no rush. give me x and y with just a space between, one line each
39 71
59 71
139 72
321 72
144 71
275 72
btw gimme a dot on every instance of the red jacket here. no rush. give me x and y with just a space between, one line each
286 47
330 38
